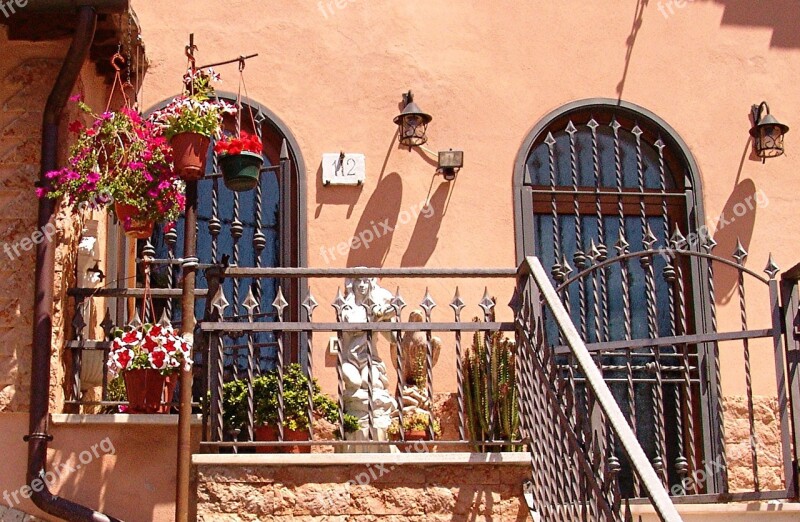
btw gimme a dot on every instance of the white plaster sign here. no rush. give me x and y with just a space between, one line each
340 168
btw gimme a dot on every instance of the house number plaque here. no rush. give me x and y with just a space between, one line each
340 168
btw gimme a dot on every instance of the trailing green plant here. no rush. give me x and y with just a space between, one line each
351 423
415 422
266 404
116 393
490 390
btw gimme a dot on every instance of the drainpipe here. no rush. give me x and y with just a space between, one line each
38 436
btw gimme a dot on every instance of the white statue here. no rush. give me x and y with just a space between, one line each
355 363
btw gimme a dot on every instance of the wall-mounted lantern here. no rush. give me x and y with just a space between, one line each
413 122
767 132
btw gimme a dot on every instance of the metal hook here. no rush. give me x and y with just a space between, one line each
117 58
242 62
190 49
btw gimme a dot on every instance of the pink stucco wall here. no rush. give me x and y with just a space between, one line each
334 71
488 71
124 469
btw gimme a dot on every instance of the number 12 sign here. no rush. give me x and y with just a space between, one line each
339 168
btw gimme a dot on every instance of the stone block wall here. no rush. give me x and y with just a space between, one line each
393 492
27 73
768 443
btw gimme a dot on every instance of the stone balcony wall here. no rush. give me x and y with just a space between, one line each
392 487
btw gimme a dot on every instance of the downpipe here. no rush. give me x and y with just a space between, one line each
38 436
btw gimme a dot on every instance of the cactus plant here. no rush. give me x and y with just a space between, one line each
490 390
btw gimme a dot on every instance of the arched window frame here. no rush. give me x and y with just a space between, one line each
525 230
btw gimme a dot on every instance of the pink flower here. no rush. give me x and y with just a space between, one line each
41 192
76 97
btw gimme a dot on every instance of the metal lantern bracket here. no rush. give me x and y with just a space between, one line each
412 125
767 132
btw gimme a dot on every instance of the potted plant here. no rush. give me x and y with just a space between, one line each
351 423
266 408
240 160
491 396
191 120
123 159
149 358
415 428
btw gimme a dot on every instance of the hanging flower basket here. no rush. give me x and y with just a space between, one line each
190 120
119 158
146 390
149 358
190 152
132 222
240 160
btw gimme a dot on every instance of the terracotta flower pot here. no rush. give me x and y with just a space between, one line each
240 171
270 433
146 391
411 439
128 215
190 153
170 382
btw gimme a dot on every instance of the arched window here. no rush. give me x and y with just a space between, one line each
264 227
603 191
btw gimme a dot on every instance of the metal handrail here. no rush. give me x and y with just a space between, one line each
655 490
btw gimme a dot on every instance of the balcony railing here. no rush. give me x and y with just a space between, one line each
588 455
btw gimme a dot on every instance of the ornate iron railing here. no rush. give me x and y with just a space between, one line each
573 434
243 342
585 464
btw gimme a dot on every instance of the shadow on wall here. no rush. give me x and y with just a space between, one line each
783 16
376 227
344 195
426 232
736 223
630 42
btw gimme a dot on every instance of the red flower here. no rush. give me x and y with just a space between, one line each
76 126
130 338
149 344
231 145
221 147
124 357
158 358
